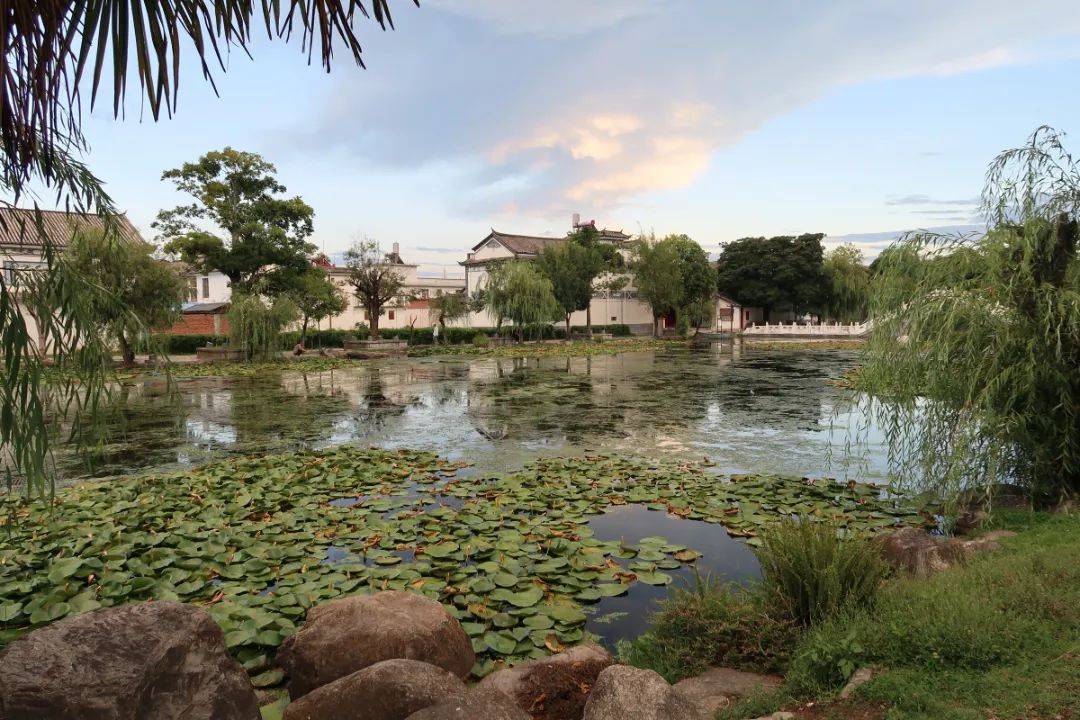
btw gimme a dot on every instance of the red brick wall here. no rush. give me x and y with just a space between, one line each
199 324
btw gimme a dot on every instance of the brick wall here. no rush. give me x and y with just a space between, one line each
200 324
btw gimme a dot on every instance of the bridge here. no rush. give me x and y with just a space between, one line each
797 330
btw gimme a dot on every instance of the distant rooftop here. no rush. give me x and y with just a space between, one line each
19 227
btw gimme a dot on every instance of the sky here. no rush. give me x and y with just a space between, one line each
716 118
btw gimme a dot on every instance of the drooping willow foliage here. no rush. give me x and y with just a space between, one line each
975 351
255 325
52 50
849 284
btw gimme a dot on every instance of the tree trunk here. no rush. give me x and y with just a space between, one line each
567 326
373 323
126 351
303 331
656 326
588 318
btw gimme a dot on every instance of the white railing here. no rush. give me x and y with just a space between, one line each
823 330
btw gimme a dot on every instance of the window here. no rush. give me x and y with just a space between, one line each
205 287
15 270
390 315
613 318
191 293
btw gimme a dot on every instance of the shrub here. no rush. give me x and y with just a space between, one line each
481 340
711 625
319 338
811 572
187 344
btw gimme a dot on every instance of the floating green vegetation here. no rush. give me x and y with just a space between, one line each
258 541
248 369
551 348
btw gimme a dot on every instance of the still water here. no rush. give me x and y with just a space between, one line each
747 410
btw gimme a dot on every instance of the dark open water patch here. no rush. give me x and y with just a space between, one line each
724 559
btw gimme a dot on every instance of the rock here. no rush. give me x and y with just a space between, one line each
348 634
146 661
860 677
919 552
477 704
624 692
387 690
553 688
717 687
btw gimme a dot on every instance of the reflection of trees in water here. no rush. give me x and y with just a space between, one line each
139 426
627 396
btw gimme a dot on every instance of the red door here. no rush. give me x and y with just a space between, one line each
669 320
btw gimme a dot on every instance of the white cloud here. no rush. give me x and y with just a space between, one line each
566 105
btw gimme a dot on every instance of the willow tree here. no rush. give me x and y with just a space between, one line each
53 51
848 284
520 293
975 349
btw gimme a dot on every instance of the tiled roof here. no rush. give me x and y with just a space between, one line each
18 227
521 244
207 308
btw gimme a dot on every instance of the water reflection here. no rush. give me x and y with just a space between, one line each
748 410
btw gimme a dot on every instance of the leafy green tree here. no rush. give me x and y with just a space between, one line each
375 282
256 322
698 281
776 272
657 277
140 292
975 347
316 297
848 282
51 48
519 292
571 268
254 233
603 260
448 308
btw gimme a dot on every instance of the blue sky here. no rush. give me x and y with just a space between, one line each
718 119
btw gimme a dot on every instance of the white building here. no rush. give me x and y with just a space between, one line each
411 309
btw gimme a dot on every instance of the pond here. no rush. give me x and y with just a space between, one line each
762 411
735 408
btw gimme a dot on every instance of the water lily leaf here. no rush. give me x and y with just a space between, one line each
64 568
526 598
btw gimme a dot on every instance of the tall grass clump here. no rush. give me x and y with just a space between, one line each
975 352
812 572
708 625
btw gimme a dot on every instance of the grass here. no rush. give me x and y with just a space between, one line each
712 625
998 637
812 574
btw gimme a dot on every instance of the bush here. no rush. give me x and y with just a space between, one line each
710 625
187 344
812 573
318 338
481 341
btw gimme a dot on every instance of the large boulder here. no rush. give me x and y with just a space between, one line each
718 687
348 634
921 553
477 704
918 552
387 690
149 661
624 692
553 688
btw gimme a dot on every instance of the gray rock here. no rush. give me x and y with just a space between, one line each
345 635
717 687
553 688
146 661
859 677
477 704
387 690
624 692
